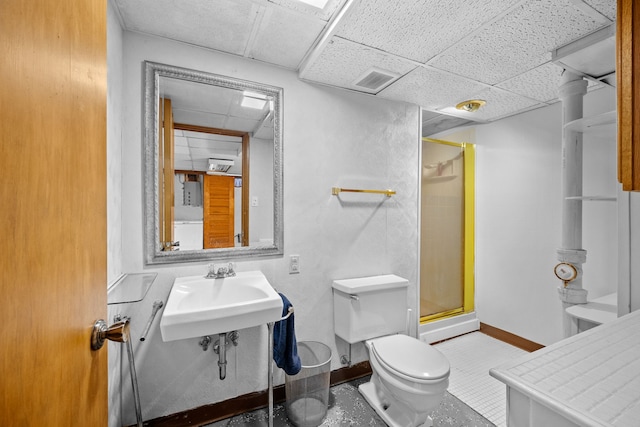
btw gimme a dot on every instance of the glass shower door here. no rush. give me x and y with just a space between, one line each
446 260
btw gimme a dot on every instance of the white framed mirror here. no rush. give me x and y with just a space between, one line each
213 166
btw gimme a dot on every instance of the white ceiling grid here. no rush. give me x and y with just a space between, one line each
605 7
416 29
520 41
342 62
193 149
284 36
225 27
445 51
432 89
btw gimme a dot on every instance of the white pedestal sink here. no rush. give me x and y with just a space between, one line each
198 306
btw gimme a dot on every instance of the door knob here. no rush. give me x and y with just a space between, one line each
118 332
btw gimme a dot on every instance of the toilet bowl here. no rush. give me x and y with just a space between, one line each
408 382
409 377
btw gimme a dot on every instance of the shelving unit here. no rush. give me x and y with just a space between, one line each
602 123
604 126
601 129
130 287
593 198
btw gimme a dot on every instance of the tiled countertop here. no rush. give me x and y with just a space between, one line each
592 379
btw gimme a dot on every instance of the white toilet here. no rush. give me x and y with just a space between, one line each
409 377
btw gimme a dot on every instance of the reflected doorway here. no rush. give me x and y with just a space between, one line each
447 219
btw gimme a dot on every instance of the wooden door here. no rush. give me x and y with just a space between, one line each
218 204
166 196
53 214
628 87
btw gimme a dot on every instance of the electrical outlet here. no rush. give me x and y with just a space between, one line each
294 264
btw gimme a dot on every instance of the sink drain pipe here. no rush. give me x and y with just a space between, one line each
220 348
222 359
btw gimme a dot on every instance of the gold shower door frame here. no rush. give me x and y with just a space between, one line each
468 153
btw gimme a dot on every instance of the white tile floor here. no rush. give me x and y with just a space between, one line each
471 356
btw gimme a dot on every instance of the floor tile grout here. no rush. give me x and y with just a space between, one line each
471 356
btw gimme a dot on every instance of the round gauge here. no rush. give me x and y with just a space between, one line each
565 272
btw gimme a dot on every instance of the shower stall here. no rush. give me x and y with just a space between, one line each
446 240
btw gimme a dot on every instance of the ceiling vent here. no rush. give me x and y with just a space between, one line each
375 79
219 166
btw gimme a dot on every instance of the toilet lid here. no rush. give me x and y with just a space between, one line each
411 357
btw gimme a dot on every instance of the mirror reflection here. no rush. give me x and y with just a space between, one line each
208 191
213 166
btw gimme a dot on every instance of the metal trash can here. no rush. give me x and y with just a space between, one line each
308 391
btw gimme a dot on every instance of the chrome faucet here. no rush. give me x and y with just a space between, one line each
219 272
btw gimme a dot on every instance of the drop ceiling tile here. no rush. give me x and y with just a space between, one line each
200 139
241 124
284 37
325 13
231 149
500 103
181 149
416 29
520 41
196 96
179 139
200 165
431 89
195 21
199 118
605 7
342 62
540 83
249 113
200 153
183 164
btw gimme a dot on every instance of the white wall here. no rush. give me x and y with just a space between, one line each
629 251
331 138
518 224
518 219
261 187
634 252
115 83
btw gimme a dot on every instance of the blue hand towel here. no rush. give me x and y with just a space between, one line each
285 347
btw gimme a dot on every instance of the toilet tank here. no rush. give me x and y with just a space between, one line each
369 307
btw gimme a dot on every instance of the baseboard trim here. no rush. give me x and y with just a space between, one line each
509 338
249 402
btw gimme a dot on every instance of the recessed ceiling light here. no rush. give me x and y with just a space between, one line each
471 105
320 4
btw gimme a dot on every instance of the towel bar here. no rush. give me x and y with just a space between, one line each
337 190
289 313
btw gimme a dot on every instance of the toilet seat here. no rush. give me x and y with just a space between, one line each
410 359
